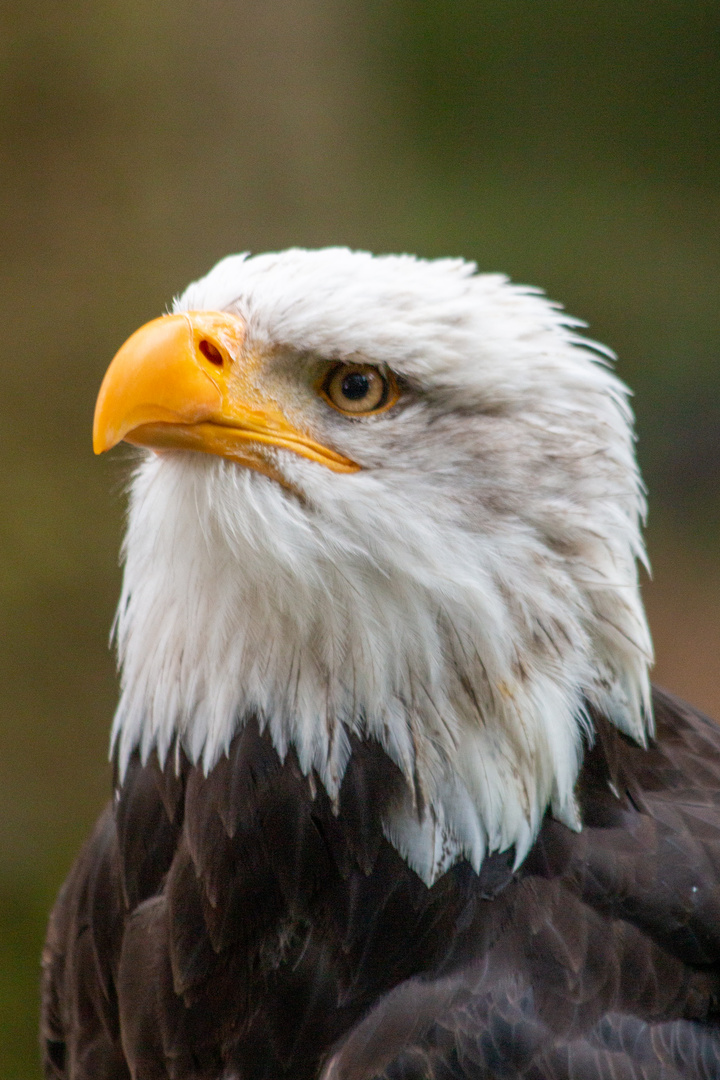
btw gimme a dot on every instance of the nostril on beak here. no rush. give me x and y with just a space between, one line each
211 352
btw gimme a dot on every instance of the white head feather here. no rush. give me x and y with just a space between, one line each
460 600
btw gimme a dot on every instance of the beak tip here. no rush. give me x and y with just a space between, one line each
97 439
102 438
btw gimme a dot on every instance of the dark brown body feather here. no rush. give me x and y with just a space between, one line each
240 926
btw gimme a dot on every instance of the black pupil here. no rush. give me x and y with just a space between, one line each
355 386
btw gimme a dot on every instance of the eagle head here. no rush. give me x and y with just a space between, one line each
388 498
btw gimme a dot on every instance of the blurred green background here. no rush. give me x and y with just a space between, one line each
571 143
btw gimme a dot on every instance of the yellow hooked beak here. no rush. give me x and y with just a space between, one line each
184 382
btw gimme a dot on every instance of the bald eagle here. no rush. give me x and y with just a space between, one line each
394 797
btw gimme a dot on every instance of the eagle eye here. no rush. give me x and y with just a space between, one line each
359 389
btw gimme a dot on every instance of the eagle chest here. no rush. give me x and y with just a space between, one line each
258 913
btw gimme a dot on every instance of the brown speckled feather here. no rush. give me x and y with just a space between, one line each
236 925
